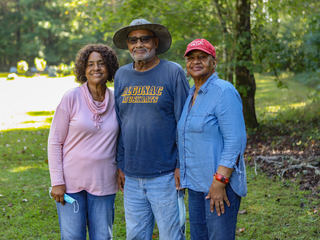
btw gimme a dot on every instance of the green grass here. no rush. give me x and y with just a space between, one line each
5 75
295 109
270 99
27 211
275 209
272 206
41 113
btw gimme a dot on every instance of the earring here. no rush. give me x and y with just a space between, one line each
83 76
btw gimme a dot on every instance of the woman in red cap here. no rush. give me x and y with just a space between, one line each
212 140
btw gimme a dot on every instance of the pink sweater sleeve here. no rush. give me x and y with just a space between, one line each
57 137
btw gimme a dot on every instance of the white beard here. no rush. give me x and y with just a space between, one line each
145 57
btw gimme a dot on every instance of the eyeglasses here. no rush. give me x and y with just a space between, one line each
143 39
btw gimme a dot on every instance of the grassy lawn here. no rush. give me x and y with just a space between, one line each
273 209
270 99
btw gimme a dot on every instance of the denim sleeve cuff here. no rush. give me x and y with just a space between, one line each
120 165
230 162
178 164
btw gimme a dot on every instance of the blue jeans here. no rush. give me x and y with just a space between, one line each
205 225
95 212
150 199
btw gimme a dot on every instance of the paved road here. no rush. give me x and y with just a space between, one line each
30 94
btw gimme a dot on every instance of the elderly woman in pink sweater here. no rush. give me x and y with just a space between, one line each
82 148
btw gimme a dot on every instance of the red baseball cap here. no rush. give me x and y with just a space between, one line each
203 45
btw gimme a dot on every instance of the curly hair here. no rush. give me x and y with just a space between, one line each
108 55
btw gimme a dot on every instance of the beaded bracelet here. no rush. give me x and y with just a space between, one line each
221 178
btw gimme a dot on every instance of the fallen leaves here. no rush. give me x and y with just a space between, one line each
288 153
312 211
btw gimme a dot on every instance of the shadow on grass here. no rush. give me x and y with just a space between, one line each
39 117
41 113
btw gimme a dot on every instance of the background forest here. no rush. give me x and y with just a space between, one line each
250 36
285 34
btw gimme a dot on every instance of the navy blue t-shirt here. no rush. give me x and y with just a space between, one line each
148 106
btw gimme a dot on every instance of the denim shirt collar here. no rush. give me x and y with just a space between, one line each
206 86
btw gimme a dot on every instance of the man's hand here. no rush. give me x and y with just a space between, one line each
57 193
177 178
121 180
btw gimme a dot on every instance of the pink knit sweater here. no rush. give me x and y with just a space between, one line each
82 155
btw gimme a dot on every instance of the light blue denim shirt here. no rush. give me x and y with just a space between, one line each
212 133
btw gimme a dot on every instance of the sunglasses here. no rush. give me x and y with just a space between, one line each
143 39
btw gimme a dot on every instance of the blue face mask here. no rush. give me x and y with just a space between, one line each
182 210
68 199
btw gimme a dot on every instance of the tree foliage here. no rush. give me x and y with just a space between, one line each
51 29
284 34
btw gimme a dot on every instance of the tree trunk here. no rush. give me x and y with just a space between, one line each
225 34
245 81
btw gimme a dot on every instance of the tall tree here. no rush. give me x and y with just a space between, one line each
245 80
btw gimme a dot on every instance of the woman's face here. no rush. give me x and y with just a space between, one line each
96 70
200 65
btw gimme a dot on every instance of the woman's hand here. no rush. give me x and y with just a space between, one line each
217 195
121 180
58 192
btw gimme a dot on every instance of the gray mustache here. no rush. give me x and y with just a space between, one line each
145 49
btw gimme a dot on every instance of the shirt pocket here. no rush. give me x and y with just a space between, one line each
197 122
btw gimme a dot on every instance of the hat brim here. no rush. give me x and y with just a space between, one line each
165 39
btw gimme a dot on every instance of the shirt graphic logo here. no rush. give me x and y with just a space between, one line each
141 94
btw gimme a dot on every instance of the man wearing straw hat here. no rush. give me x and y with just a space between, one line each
149 96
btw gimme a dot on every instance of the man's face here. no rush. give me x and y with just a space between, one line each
143 51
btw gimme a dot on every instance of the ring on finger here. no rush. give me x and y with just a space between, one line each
221 202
